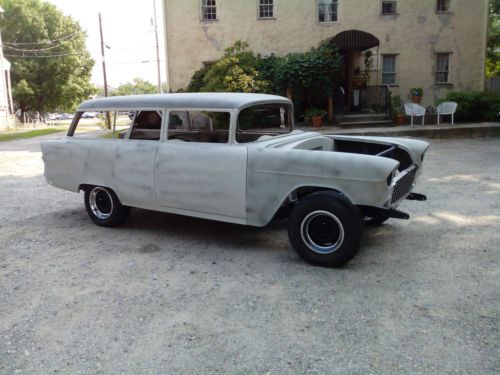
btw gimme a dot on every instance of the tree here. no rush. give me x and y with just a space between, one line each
493 49
235 72
51 67
136 87
316 70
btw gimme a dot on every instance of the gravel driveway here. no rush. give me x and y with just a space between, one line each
170 294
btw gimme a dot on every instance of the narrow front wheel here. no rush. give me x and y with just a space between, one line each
325 230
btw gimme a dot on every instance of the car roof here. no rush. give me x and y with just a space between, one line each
217 100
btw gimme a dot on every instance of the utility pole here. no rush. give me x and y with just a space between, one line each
108 120
157 48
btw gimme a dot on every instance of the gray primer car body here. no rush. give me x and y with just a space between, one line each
244 183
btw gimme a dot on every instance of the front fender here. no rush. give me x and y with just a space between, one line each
272 174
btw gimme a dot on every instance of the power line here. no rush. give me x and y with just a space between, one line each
132 62
42 56
31 50
49 41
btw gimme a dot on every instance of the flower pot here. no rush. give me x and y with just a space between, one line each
399 119
416 99
317 121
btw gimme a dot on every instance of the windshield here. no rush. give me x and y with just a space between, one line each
263 120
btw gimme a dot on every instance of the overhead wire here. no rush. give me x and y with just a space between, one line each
43 56
49 41
31 50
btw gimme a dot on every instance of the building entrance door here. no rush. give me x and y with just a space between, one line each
351 44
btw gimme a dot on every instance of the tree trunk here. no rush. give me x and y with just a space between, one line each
330 108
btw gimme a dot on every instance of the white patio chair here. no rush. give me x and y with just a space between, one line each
413 109
447 108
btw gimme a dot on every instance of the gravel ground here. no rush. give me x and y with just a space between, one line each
170 294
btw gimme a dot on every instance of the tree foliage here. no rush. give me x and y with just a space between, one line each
318 69
493 49
474 106
236 71
51 67
239 70
136 87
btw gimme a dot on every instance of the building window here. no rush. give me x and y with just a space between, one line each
208 10
443 6
442 67
389 7
389 69
266 9
327 10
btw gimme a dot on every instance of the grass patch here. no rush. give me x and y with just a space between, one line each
107 135
28 134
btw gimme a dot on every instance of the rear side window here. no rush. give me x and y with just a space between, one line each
263 120
146 125
198 126
93 124
136 124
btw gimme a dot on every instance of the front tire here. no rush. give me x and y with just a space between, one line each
104 207
325 229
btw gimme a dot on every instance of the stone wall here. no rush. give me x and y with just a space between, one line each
415 34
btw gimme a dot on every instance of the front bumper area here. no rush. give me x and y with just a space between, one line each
403 184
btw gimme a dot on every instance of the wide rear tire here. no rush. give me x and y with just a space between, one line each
104 207
325 229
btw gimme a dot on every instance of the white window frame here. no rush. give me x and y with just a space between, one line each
263 4
394 4
392 73
328 15
205 5
438 70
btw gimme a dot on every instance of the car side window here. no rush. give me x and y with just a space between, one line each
93 125
146 125
198 126
261 121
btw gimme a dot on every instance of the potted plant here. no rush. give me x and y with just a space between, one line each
416 94
397 114
315 115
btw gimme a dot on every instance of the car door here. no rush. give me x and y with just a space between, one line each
197 170
132 156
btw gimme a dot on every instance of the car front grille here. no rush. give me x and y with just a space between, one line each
403 184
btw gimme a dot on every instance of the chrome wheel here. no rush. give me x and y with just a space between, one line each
101 203
322 232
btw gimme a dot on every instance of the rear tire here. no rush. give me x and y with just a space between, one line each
325 229
104 207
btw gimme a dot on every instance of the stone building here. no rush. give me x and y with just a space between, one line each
439 45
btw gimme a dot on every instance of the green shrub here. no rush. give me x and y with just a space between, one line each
240 70
395 108
315 112
474 106
197 83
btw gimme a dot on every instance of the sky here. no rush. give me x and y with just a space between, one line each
127 30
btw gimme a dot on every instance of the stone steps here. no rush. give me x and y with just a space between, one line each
363 121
